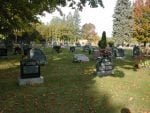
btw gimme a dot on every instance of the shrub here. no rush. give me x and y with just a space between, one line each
103 42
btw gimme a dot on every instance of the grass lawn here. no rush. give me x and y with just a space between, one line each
74 88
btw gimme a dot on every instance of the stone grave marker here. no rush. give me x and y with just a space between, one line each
80 58
29 72
118 53
57 48
26 49
136 51
104 66
38 55
17 49
3 50
72 48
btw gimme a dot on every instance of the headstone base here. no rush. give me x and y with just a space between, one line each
120 57
30 81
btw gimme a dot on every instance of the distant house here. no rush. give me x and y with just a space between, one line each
84 42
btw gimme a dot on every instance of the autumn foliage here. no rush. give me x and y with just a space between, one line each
141 15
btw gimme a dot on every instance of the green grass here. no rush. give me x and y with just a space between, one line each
74 88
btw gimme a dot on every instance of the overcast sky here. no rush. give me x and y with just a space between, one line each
100 17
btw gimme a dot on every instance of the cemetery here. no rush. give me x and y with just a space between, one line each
66 85
62 64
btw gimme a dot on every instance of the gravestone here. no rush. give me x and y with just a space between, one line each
80 58
136 51
38 55
17 49
26 49
29 68
29 72
72 49
118 53
104 66
96 54
86 48
57 48
3 50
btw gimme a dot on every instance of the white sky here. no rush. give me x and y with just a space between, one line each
100 17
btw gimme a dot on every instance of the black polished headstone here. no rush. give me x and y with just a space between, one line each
72 49
3 49
57 48
136 51
3 52
17 50
26 49
29 68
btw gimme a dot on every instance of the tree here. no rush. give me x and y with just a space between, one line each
141 15
122 22
77 21
103 42
88 33
19 14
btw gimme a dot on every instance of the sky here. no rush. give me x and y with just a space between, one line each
100 17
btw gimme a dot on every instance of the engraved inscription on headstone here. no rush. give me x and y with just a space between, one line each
29 68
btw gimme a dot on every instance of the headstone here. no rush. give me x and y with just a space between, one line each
38 55
118 53
29 68
26 49
104 66
29 72
96 54
72 49
57 48
136 51
17 49
3 50
80 58
86 48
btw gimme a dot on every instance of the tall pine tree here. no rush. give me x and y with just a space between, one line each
122 22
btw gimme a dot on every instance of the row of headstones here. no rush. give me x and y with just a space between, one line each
17 50
112 52
104 65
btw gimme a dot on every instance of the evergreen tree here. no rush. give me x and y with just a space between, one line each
77 22
122 22
103 42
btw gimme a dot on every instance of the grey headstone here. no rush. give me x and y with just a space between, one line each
38 55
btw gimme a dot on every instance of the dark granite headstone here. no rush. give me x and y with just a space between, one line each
3 52
57 48
3 49
38 55
136 51
72 49
26 49
29 68
17 50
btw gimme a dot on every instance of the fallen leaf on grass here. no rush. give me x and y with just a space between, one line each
130 99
